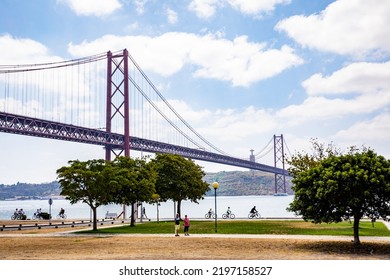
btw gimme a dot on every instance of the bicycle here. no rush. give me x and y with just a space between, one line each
210 215
37 216
17 216
255 215
61 216
228 215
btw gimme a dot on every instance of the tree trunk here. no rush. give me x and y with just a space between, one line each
132 217
356 240
94 218
179 207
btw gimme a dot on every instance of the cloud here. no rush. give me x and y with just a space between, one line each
359 88
372 130
238 61
140 6
207 8
22 51
203 8
235 126
172 16
346 27
362 78
97 8
256 7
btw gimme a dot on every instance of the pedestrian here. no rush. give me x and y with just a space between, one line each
144 213
177 224
186 225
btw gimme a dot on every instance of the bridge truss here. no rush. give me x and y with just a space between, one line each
11 123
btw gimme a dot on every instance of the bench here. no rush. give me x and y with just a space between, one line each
111 215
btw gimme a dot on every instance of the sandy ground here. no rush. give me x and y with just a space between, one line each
61 244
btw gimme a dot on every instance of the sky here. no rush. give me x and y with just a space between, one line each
239 71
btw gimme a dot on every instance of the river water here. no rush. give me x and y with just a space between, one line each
268 206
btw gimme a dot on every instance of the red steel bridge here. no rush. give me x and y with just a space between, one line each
107 100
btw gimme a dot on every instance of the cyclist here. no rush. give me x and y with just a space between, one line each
228 211
62 212
210 212
253 210
38 213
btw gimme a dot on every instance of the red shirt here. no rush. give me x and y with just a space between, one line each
186 222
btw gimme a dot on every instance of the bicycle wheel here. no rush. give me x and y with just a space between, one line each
58 216
232 216
207 216
64 216
258 215
250 216
13 217
213 216
224 216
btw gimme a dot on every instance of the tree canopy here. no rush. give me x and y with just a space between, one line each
179 179
90 182
337 187
136 179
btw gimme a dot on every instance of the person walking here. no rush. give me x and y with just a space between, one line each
186 225
177 224
144 213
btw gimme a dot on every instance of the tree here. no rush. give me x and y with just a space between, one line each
302 161
136 179
90 182
179 179
343 187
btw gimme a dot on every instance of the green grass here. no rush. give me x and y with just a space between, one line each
254 227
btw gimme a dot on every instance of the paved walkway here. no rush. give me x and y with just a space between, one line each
216 235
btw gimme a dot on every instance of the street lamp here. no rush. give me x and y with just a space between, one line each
215 186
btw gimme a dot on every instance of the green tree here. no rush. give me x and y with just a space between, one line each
136 179
90 182
343 187
179 179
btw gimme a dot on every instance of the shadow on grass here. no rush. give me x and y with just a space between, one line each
347 249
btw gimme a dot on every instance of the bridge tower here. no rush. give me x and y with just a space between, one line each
280 179
117 106
252 156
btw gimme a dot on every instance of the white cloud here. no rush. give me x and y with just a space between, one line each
207 8
239 61
172 16
140 6
22 51
93 7
372 133
372 130
235 126
256 7
347 27
363 77
203 8
359 88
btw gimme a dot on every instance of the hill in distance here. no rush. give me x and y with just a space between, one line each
237 183
231 183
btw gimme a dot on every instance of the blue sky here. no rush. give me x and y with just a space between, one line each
239 71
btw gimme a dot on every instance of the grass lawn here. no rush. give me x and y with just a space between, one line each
255 227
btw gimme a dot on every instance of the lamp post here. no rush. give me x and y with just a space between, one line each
215 186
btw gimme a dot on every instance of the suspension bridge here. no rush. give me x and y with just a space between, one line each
108 100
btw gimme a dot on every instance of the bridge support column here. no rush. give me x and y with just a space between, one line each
280 179
117 104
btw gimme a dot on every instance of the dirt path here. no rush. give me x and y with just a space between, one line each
56 244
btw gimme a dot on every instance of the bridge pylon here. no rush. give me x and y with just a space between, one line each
280 179
117 106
